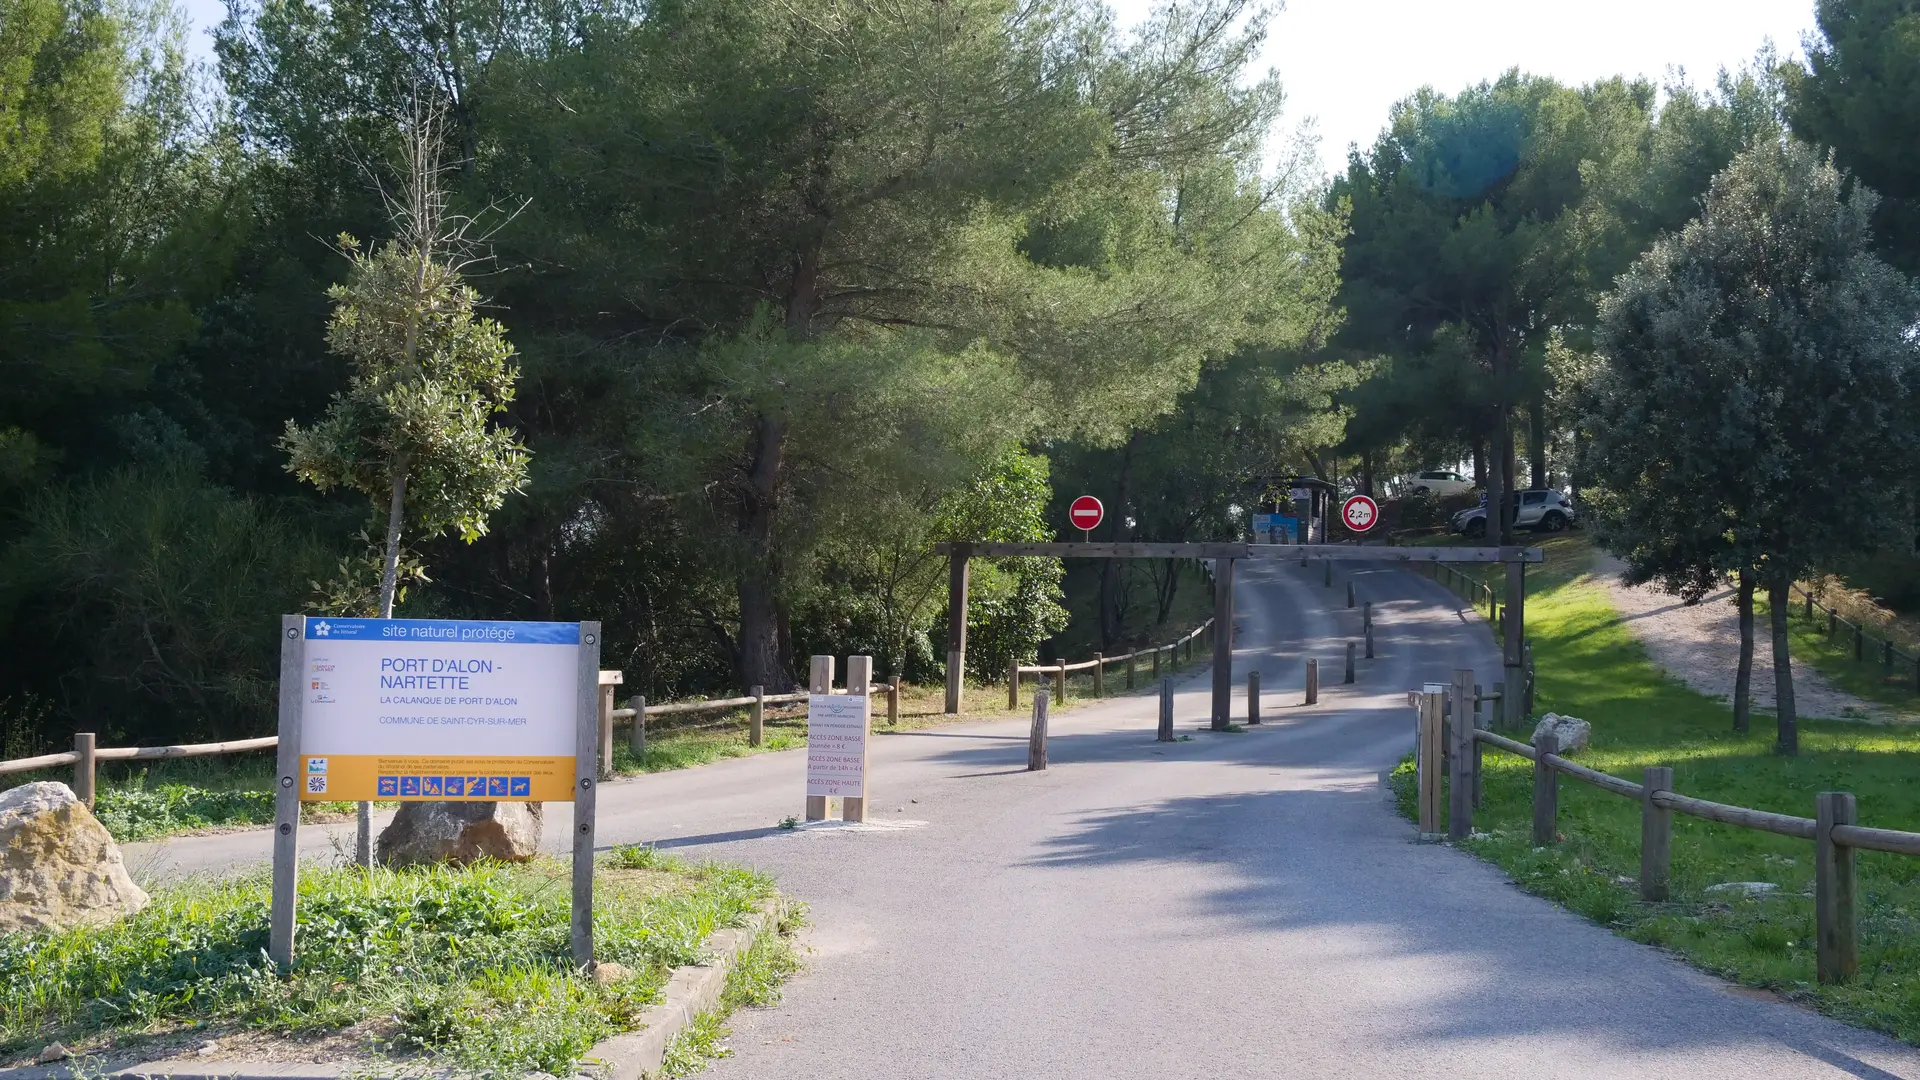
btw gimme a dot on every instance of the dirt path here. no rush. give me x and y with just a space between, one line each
1700 646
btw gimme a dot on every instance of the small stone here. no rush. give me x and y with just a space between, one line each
607 974
1744 888
54 1052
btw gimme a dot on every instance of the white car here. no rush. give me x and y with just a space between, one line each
1440 482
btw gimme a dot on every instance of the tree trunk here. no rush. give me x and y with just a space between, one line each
1167 589
1112 618
1786 740
1366 474
1480 463
1575 464
1537 441
1497 483
396 517
1743 678
760 661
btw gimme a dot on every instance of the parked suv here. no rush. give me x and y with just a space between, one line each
1441 482
1539 508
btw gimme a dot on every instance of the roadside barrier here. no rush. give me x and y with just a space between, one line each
1452 738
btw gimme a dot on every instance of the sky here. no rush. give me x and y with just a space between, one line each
1345 62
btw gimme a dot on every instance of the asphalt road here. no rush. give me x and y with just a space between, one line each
1235 905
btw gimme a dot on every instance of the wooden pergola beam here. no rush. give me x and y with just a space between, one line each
1338 552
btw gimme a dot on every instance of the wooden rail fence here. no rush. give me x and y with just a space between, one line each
1452 739
1060 671
1884 651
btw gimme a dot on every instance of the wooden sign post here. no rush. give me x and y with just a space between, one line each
838 726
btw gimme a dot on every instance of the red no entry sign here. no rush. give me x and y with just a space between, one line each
1085 513
1360 513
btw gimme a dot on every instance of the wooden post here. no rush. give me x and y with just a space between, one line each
83 767
756 720
1479 748
1809 607
1513 639
1369 641
1313 681
585 798
893 701
1099 675
1859 643
1173 657
1656 834
1546 790
1432 713
1837 952
1129 669
1460 786
859 678
637 738
1833 622
1350 597
1253 698
1166 711
1037 737
1060 688
956 624
606 725
1222 644
363 836
1349 676
1366 615
820 681
1013 684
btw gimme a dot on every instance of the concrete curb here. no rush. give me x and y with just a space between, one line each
632 1055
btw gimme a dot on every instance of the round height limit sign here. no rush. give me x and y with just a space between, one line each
1086 513
1360 513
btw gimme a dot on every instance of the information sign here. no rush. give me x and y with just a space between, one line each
837 726
438 710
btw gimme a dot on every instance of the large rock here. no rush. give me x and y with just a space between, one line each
1573 732
58 865
461 832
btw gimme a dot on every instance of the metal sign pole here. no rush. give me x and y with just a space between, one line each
586 772
286 792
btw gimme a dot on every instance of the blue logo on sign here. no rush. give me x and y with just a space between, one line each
429 785
389 786
476 787
456 786
497 787
409 787
519 787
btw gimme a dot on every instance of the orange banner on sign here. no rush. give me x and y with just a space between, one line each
369 778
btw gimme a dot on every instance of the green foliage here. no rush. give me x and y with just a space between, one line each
473 963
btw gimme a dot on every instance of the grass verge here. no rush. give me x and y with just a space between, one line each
1590 665
1869 679
754 982
463 969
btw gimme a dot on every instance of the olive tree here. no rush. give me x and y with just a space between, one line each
1757 366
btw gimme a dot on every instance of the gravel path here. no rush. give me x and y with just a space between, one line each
1699 645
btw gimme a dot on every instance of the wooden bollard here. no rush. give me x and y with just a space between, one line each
1253 698
1546 791
1099 675
606 728
1166 711
1349 676
756 720
1431 759
1479 748
1465 761
1837 946
1366 615
83 767
1656 834
1369 642
1037 738
1350 597
1060 688
1013 684
819 681
1156 663
893 701
1313 682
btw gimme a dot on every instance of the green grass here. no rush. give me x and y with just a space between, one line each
753 982
1590 665
1832 657
468 967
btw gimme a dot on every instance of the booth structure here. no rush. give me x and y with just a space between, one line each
1299 510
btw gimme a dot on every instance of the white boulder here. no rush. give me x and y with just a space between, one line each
1573 732
461 832
58 865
